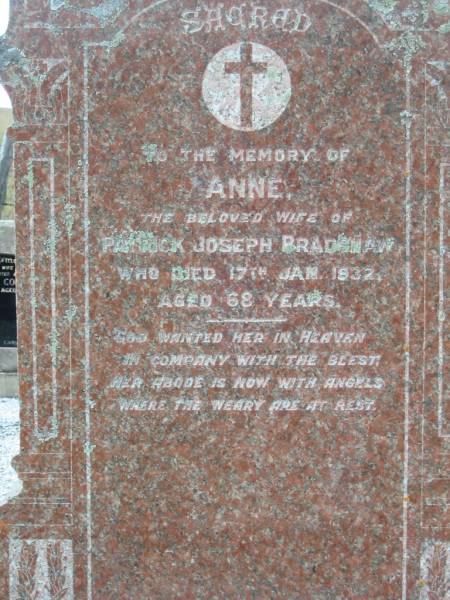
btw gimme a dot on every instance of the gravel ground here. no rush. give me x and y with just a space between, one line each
10 484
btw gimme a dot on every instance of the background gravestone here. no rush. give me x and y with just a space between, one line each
232 293
8 321
8 326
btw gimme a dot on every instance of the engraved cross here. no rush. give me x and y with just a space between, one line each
246 68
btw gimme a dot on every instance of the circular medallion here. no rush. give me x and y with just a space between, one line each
246 86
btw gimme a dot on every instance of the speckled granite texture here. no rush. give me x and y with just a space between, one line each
233 286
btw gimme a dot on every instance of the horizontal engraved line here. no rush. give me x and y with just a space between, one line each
278 320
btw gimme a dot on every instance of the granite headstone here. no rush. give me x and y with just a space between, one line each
232 229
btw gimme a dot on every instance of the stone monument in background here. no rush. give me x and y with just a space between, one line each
232 277
8 323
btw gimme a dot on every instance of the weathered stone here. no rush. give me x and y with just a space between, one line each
231 244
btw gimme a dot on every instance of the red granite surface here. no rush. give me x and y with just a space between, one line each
157 466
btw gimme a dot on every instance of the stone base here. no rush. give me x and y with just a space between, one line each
8 360
9 385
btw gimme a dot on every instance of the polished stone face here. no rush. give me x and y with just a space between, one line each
232 295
